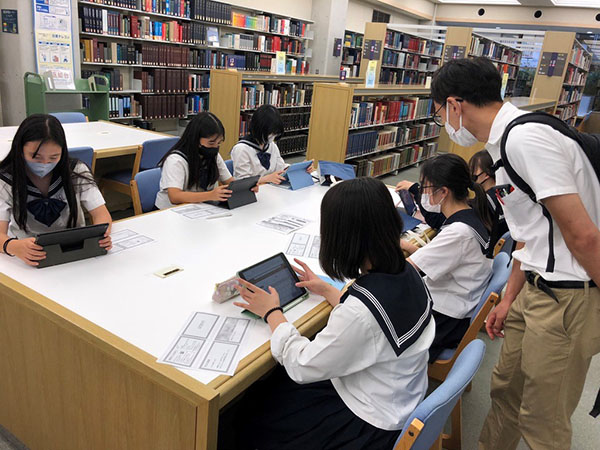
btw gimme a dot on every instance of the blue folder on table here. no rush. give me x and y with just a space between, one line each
296 176
408 222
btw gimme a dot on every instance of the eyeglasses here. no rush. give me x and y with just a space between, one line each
437 119
422 188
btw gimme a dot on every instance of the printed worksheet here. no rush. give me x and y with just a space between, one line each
284 223
208 342
198 210
303 244
126 239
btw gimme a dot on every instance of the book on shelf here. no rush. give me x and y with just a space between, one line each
163 106
115 77
209 11
575 77
292 144
270 24
402 76
378 165
412 44
353 39
163 81
389 111
279 95
197 103
581 58
409 61
291 121
178 8
490 49
123 106
566 112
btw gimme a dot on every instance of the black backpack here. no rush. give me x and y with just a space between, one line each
590 143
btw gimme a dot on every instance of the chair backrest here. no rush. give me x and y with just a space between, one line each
84 154
69 117
434 411
507 244
500 272
229 164
154 150
147 185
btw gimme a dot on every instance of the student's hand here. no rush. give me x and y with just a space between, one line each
404 185
220 193
310 281
275 177
310 168
495 321
258 301
27 250
255 189
106 243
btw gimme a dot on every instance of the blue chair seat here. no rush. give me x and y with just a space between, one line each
447 353
69 117
121 176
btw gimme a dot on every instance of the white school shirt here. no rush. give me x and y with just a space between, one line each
175 173
552 164
246 162
87 194
457 272
353 352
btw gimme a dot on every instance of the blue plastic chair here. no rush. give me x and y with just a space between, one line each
144 188
424 427
504 245
83 154
229 164
69 117
147 157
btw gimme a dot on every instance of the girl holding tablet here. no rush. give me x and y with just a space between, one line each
42 189
356 383
257 153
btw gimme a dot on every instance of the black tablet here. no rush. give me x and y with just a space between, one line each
240 192
276 271
71 244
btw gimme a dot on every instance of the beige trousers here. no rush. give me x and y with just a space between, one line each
538 380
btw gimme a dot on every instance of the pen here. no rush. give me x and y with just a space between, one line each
218 216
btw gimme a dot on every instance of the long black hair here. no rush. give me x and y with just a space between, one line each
204 125
451 171
359 223
483 160
265 121
44 128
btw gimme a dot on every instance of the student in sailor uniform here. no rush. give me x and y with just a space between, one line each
43 190
192 168
257 153
456 269
357 382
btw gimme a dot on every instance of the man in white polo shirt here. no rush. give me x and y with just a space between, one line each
550 312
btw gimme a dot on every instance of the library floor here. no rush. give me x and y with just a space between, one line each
586 432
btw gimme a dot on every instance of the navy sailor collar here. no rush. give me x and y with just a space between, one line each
470 218
251 142
400 303
56 184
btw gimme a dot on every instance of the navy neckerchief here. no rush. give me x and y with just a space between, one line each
400 303
203 179
44 209
471 218
261 153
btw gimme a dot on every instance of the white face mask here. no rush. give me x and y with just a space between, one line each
427 206
462 136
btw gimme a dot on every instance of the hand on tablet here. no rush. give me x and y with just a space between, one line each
27 250
255 189
220 193
314 284
258 301
310 168
275 177
404 185
106 243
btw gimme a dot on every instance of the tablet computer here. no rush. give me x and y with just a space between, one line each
240 192
407 201
276 271
71 244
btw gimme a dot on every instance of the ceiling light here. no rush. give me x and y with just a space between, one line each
578 3
483 2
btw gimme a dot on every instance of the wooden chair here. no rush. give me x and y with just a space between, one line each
144 188
439 369
505 240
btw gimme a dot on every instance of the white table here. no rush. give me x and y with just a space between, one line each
85 336
106 138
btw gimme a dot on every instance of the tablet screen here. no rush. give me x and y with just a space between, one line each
277 272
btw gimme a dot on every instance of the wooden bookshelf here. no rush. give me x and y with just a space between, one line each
352 53
201 36
336 119
404 58
230 103
564 87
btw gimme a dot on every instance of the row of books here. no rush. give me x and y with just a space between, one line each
390 111
270 24
279 95
351 57
351 71
163 81
409 61
566 112
365 142
353 39
580 58
569 95
512 71
163 106
574 76
408 43
210 11
179 8
262 43
291 121
94 51
123 106
489 49
197 103
115 77
292 144
389 162
395 76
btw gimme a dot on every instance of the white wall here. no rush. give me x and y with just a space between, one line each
300 9
361 12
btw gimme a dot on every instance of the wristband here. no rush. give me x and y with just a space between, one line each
266 316
4 247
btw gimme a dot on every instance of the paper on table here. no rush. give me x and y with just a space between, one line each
198 210
284 223
303 244
208 342
126 239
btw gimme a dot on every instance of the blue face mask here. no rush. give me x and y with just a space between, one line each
41 169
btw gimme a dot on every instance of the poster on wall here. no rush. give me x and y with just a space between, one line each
54 42
10 23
